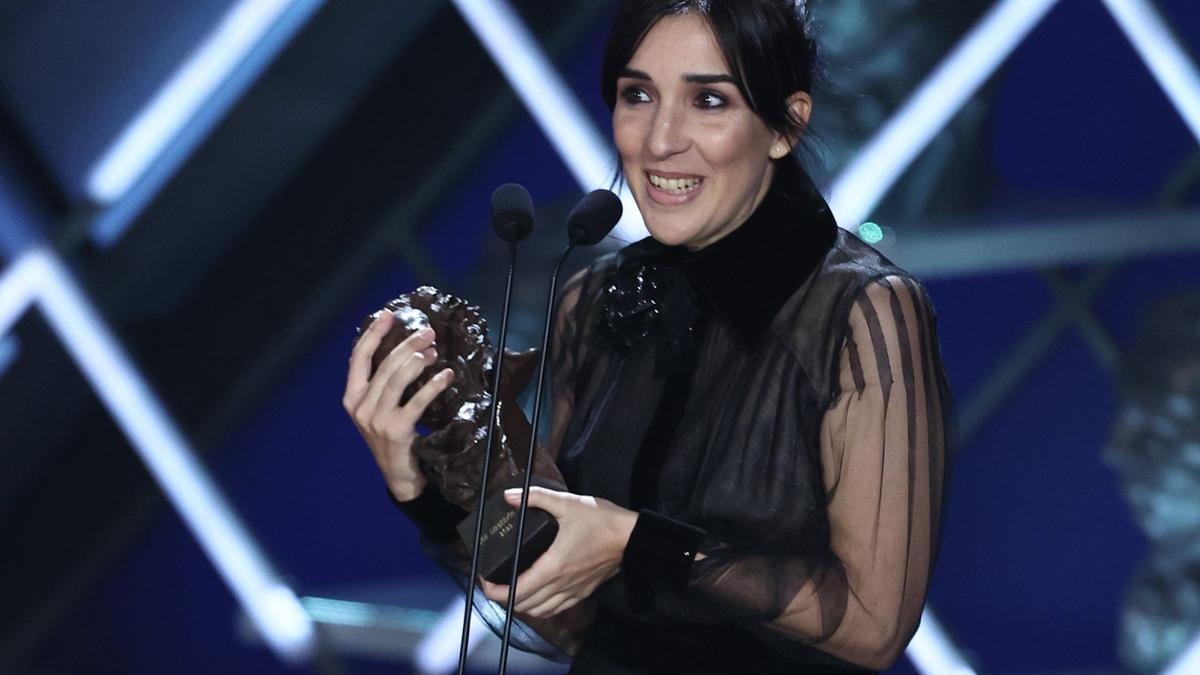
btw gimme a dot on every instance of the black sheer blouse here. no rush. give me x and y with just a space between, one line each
775 407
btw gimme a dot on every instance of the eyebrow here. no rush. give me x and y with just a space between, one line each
696 78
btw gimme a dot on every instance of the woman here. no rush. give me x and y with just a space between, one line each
750 409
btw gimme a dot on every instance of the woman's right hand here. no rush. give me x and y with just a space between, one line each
373 402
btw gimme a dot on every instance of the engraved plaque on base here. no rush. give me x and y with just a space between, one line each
500 531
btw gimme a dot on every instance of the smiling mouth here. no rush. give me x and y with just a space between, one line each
675 186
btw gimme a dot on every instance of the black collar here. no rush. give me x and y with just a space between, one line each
750 273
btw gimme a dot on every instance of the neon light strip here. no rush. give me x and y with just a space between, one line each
18 288
10 349
1188 662
38 277
438 650
932 652
860 188
188 106
587 153
1163 54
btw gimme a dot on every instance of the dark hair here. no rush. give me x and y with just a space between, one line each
764 42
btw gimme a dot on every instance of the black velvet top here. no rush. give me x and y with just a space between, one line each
775 407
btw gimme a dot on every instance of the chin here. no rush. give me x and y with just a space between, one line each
672 229
668 236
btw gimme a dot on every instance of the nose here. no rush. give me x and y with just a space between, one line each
667 133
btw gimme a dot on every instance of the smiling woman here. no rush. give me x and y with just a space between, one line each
694 152
750 412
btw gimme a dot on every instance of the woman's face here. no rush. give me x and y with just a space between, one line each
696 157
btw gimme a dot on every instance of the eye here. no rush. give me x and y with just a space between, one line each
710 100
634 94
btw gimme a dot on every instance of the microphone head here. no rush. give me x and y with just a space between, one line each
593 218
512 212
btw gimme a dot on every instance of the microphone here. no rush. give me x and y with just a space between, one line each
512 219
593 218
512 212
588 223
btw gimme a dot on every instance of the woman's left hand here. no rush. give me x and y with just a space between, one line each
587 551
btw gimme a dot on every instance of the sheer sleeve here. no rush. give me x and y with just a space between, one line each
565 355
883 455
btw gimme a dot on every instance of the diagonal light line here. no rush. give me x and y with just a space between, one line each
1163 54
585 151
188 106
38 277
932 651
437 652
1187 662
18 288
10 349
877 167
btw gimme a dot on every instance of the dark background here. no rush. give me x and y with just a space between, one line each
359 165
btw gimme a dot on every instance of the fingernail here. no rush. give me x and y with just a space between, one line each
512 492
445 374
426 333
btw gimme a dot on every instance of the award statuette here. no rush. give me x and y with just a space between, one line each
451 455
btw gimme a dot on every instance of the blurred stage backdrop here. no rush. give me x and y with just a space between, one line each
199 201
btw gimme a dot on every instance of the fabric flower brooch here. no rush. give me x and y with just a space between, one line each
639 298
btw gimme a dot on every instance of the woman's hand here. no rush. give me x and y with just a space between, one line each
373 402
592 534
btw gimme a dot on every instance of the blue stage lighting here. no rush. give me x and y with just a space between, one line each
933 653
10 348
187 107
38 278
1164 56
881 162
1187 662
438 650
588 154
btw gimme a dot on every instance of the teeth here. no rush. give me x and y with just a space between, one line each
677 186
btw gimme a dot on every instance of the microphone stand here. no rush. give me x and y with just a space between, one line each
487 461
537 411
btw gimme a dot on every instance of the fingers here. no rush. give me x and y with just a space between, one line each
359 371
399 380
529 585
534 586
415 407
538 605
494 592
540 597
396 371
406 360
552 606
553 502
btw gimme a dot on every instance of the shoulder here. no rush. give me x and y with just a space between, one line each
889 302
851 271
854 291
879 296
855 264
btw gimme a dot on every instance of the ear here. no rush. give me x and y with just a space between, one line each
800 105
